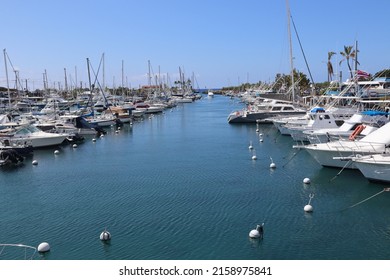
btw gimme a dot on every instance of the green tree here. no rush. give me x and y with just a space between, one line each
330 66
284 81
349 53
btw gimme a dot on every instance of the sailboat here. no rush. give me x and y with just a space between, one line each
107 117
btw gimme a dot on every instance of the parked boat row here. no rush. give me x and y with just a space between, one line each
352 137
21 133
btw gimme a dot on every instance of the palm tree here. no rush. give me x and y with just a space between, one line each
330 66
349 53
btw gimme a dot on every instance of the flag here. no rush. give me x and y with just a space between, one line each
362 74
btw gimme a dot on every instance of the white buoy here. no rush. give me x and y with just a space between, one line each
35 162
116 131
254 233
105 236
250 145
257 232
254 157
257 130
308 207
261 134
261 139
93 140
272 165
56 152
306 181
74 146
43 247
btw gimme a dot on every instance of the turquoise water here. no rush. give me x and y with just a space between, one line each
182 185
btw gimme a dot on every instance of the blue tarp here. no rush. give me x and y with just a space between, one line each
317 109
375 113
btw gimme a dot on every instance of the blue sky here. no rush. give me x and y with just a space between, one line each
223 42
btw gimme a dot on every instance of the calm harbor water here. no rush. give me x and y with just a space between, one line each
182 185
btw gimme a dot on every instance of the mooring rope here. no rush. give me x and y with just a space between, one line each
364 200
348 162
356 204
291 158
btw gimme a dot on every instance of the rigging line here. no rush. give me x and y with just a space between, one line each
303 53
98 70
345 166
17 81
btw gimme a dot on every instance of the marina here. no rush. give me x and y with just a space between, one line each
183 185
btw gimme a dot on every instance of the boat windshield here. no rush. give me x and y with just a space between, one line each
27 130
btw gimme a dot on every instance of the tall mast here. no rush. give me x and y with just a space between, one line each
122 75
356 56
75 74
46 83
356 68
291 51
149 77
6 74
159 79
89 76
66 81
104 73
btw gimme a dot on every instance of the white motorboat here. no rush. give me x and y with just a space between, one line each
264 111
318 118
340 153
35 136
374 167
148 109
103 120
358 126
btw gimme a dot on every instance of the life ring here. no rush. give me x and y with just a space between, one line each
356 132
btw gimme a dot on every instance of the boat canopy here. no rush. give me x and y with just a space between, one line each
317 110
375 113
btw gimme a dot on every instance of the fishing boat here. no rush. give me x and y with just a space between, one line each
29 133
374 167
148 109
340 153
318 118
358 126
264 111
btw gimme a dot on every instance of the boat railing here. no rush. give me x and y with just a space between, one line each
360 147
